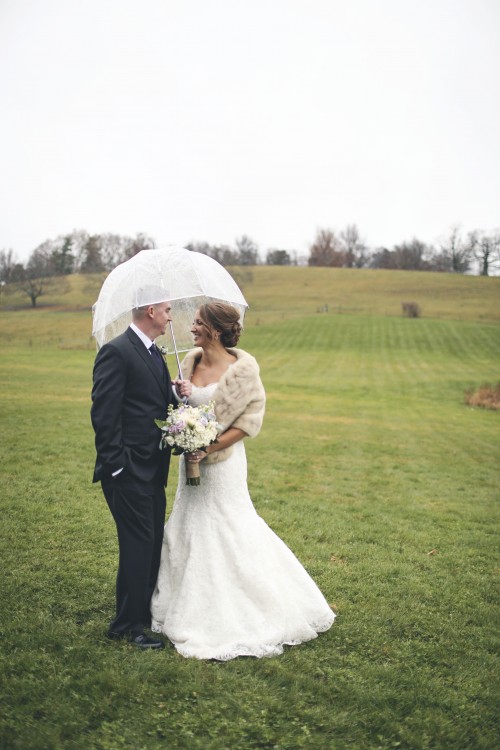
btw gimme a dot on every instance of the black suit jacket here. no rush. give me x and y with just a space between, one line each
128 394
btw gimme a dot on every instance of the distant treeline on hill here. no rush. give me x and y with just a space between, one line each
81 252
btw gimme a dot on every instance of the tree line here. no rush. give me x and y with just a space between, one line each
77 252
456 253
475 251
81 252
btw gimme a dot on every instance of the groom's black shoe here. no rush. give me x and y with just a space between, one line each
145 642
141 641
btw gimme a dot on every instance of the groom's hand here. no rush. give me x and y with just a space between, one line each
183 387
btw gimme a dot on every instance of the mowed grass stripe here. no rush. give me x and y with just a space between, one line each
425 350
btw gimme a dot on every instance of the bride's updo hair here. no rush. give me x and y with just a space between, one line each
224 319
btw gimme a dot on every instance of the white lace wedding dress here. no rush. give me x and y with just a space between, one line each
228 586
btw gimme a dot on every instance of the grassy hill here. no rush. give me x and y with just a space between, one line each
369 466
277 293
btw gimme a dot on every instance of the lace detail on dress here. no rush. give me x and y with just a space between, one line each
202 393
244 649
228 585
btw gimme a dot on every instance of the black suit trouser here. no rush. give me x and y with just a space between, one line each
138 509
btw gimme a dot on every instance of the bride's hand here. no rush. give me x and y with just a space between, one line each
197 456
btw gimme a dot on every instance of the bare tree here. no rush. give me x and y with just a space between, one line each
382 258
79 239
411 256
112 249
439 261
326 250
455 253
134 245
223 254
10 269
353 246
39 276
486 250
408 256
35 287
247 250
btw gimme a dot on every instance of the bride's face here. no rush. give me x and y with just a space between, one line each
199 331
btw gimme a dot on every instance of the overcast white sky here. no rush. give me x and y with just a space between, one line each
207 119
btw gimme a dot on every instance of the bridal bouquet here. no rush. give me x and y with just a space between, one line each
188 428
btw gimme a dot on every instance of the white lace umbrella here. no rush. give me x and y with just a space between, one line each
184 278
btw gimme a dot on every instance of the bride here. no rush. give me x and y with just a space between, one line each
228 586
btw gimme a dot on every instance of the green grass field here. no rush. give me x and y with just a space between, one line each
371 468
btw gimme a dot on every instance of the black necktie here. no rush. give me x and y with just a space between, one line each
157 358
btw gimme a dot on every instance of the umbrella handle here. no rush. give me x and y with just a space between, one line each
184 398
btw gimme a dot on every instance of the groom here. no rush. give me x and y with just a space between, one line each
132 388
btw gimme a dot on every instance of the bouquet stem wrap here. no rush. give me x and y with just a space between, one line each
192 472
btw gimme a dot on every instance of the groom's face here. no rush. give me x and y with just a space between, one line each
161 315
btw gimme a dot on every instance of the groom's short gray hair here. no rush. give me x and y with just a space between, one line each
149 295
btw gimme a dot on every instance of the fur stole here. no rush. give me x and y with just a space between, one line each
239 397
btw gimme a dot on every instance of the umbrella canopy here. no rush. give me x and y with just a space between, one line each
186 279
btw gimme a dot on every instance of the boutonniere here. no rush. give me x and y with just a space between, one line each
163 351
